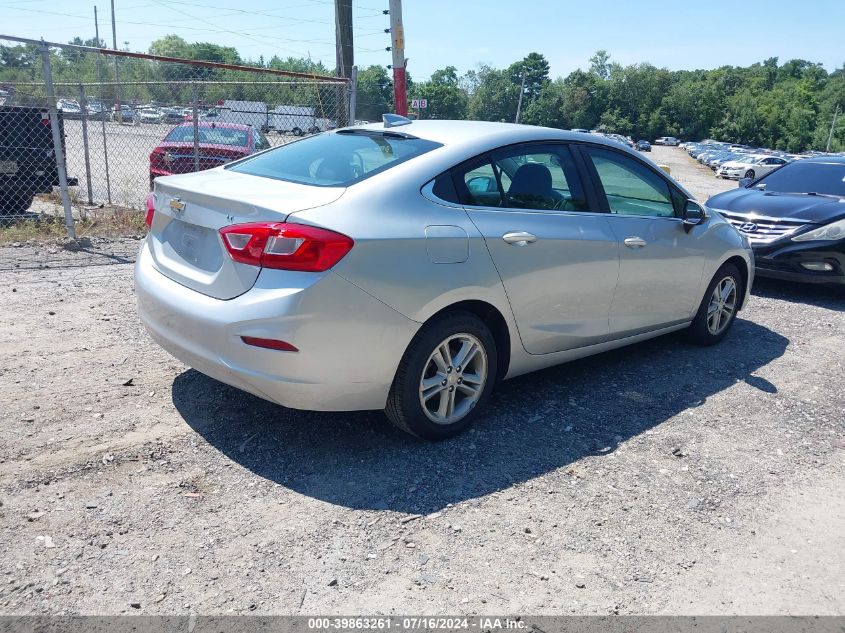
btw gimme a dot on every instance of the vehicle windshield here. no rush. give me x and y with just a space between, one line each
337 159
209 135
806 177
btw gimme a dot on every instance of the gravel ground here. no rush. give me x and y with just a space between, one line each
661 478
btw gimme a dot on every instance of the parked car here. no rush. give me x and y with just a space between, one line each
123 114
150 115
408 266
172 115
219 143
794 218
27 160
667 140
750 166
70 109
643 146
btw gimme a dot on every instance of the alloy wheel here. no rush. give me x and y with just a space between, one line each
453 379
722 306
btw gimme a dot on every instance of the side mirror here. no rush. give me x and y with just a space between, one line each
694 214
744 182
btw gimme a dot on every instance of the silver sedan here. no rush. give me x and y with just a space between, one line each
409 266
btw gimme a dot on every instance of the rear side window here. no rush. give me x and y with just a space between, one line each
335 160
533 177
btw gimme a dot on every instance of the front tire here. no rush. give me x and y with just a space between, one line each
718 308
750 174
446 374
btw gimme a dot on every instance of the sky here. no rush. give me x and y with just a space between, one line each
466 33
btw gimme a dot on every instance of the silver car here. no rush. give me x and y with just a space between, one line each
409 266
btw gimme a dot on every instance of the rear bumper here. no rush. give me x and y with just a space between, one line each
349 342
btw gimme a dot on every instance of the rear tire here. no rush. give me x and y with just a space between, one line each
444 377
296 131
16 203
718 309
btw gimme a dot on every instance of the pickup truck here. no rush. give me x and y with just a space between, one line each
27 160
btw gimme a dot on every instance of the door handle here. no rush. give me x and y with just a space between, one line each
635 242
519 238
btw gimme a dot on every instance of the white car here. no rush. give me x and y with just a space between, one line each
150 115
667 140
751 166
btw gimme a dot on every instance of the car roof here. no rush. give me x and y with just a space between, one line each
471 133
216 124
832 160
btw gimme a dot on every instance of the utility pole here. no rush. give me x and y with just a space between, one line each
397 35
830 136
119 110
344 52
519 103
97 37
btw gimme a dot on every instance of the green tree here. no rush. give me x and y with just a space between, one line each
446 99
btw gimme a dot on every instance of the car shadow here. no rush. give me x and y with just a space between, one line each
533 424
822 296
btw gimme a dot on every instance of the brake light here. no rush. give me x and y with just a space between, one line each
285 246
151 210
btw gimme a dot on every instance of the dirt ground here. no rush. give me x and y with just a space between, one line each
661 478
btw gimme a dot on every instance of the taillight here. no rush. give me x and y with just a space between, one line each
156 157
285 246
151 210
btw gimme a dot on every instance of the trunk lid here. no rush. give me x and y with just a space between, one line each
191 208
178 158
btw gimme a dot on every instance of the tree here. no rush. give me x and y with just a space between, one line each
534 69
600 64
446 99
495 98
375 93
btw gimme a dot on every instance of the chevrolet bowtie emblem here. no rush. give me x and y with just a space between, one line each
177 205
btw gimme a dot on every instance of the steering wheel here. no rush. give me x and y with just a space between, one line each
564 205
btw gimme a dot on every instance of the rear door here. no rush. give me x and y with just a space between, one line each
554 250
660 262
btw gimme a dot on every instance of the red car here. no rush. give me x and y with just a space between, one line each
219 143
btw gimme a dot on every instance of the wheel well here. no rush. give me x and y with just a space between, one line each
742 266
498 328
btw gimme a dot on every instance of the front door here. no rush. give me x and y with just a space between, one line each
660 263
557 257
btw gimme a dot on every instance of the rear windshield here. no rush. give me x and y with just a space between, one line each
806 177
209 135
335 159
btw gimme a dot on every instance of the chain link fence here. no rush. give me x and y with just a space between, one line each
84 128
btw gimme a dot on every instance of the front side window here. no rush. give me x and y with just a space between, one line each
336 159
630 187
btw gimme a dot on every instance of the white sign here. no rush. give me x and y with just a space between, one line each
419 104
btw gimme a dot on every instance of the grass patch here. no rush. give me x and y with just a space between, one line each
107 222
